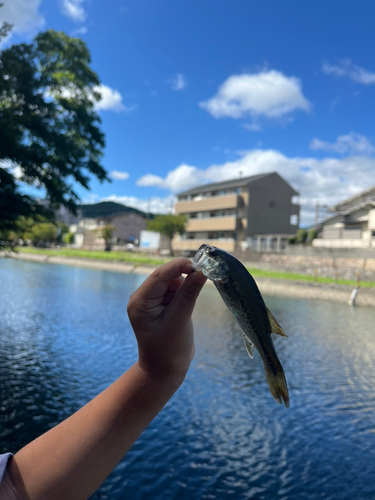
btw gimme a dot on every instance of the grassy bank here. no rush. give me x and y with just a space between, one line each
140 259
132 258
265 273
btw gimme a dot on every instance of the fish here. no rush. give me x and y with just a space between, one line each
242 297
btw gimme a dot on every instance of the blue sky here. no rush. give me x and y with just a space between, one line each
202 91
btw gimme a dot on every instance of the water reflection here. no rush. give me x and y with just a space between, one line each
65 336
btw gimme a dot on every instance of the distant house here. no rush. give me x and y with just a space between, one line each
128 223
259 209
352 224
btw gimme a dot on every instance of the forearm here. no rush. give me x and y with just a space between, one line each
73 459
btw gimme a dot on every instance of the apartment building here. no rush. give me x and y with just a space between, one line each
230 214
352 223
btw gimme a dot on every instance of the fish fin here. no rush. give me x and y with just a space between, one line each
249 346
277 384
275 327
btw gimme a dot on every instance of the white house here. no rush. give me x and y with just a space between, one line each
352 224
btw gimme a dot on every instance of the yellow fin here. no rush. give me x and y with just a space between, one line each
275 327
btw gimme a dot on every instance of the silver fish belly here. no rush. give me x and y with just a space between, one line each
242 297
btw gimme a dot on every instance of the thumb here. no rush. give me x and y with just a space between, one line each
188 292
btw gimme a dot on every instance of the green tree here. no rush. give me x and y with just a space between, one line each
312 234
301 236
49 128
43 233
69 238
106 232
168 225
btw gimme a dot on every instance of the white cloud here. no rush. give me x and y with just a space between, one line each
182 177
74 10
269 94
80 31
347 69
178 82
345 144
91 198
23 14
155 205
119 176
326 180
111 100
253 127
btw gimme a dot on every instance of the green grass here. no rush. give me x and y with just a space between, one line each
133 258
265 273
139 259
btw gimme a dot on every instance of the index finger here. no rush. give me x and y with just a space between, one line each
157 283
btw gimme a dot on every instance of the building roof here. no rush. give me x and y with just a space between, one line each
231 183
348 210
365 195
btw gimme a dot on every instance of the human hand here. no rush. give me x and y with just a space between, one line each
160 313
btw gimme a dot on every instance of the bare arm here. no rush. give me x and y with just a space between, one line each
71 460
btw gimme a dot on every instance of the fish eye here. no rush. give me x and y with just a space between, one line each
212 253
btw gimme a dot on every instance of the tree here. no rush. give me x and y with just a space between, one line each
312 234
49 128
43 233
106 232
301 235
168 225
69 238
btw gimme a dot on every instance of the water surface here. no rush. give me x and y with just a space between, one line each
65 336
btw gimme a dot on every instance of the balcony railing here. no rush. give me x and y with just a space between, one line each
212 203
228 223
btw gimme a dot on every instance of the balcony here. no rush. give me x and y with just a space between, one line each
212 203
212 224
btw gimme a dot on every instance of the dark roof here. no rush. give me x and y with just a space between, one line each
107 209
232 183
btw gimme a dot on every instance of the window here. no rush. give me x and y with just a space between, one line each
294 220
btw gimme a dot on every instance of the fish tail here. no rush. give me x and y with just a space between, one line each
277 384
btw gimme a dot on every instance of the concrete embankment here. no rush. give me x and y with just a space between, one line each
271 286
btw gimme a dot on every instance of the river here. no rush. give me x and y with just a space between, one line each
65 336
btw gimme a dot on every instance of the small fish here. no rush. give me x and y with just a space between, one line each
242 297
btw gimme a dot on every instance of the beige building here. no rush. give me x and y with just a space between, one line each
257 210
352 224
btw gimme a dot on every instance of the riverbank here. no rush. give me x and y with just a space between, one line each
268 285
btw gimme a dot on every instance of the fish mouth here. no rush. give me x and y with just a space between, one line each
196 265
205 260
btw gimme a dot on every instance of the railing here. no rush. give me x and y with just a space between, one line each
212 203
227 223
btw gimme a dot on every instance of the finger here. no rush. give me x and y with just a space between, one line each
157 283
185 297
173 286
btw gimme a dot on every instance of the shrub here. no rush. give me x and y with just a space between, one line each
301 236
